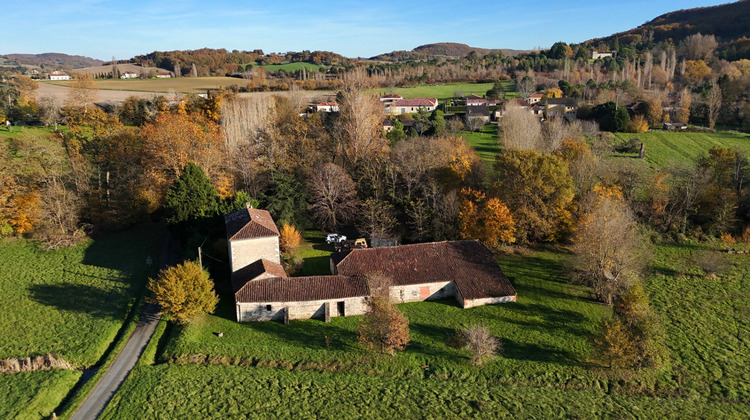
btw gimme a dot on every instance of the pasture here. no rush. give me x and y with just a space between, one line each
443 92
70 302
213 392
290 67
663 147
485 143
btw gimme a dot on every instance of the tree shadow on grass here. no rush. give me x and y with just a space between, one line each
541 317
309 334
436 335
97 302
128 251
538 353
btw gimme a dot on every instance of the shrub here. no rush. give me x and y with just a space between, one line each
383 326
481 343
289 238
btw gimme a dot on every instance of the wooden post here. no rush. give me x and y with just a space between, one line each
327 312
286 315
642 152
200 258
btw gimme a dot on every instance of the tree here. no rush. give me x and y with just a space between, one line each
606 246
496 92
383 326
713 103
333 196
289 238
526 87
611 117
538 190
481 343
83 93
397 133
683 106
696 71
359 121
286 199
612 343
487 220
520 129
184 291
51 110
377 218
699 47
438 123
191 197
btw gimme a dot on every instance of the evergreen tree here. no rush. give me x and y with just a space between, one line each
497 91
438 123
191 196
397 133
286 200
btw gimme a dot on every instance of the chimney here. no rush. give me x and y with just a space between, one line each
248 205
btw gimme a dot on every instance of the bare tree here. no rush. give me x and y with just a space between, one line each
526 87
713 102
555 130
474 124
481 343
699 47
606 247
83 92
377 218
360 119
520 129
333 196
379 284
51 110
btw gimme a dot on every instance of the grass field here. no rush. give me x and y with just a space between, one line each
33 395
71 302
663 146
241 392
443 92
484 142
181 84
293 67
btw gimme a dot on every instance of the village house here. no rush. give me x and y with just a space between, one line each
561 108
534 98
602 54
482 101
59 75
326 107
128 75
481 112
407 106
389 99
464 270
163 75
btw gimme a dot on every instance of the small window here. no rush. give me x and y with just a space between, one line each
268 308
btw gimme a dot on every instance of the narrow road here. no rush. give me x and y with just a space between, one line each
110 382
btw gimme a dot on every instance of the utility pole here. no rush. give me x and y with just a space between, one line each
200 258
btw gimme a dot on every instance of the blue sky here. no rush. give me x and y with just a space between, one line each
102 29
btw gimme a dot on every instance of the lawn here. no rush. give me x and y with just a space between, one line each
663 147
179 84
288 67
242 392
443 92
485 143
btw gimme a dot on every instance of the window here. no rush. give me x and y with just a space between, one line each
268 308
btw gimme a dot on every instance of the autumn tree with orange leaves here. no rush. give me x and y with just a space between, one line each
485 219
170 142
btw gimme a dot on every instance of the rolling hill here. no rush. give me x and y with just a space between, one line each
55 60
727 21
441 49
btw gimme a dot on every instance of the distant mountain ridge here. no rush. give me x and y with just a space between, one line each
441 49
55 60
726 21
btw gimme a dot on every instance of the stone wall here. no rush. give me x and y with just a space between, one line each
246 251
422 292
253 311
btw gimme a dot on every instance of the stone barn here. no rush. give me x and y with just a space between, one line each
252 235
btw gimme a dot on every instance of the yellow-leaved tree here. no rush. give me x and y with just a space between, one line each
184 291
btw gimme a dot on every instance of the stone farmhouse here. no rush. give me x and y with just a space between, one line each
464 270
407 106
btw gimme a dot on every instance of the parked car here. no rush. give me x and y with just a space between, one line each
335 238
348 245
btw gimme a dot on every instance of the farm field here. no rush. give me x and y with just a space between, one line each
233 392
485 143
69 302
443 92
663 147
293 66
180 84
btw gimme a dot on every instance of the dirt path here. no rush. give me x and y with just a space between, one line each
110 382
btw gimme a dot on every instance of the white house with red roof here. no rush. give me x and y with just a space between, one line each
326 107
59 75
389 99
408 106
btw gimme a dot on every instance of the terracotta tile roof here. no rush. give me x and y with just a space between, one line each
391 96
517 102
536 95
569 102
248 273
473 97
469 263
301 289
416 102
478 111
249 224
